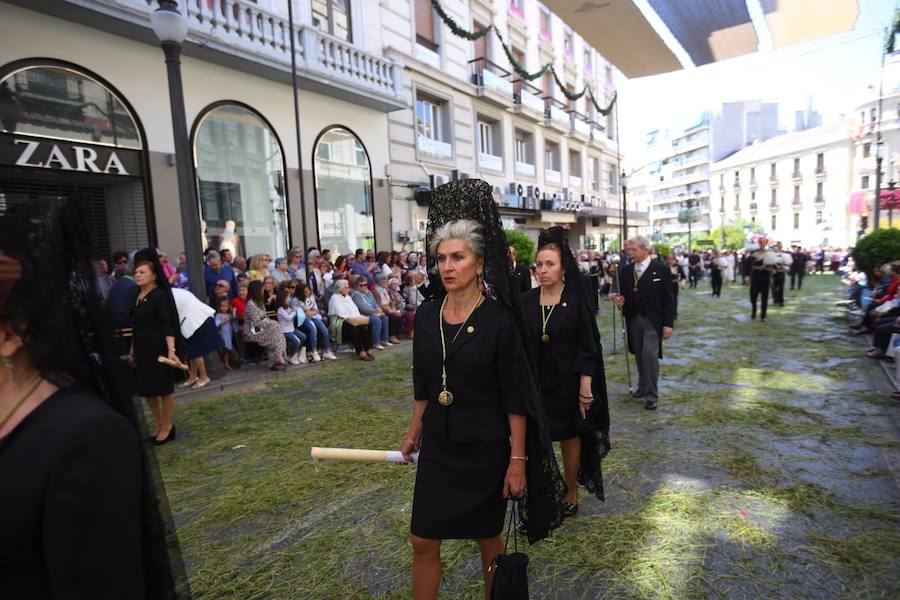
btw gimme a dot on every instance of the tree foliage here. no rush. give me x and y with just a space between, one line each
877 248
662 250
523 244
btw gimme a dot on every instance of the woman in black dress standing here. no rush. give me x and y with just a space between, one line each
561 330
155 334
477 419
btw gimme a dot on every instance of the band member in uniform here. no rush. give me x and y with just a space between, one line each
782 263
695 264
799 258
522 272
478 421
762 265
563 333
645 296
715 273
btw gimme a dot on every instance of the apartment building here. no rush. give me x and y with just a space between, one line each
795 186
550 160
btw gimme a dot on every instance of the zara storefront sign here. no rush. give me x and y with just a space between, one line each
64 155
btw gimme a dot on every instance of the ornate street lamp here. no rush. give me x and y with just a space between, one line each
171 27
624 181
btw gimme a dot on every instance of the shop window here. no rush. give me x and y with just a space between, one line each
240 182
345 209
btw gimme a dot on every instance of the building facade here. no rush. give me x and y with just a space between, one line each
85 110
550 160
795 186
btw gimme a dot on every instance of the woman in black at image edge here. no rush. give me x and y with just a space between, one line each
80 514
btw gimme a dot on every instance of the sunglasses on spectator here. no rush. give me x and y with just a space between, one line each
221 285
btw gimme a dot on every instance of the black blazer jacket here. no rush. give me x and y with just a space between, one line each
478 373
523 276
574 350
654 299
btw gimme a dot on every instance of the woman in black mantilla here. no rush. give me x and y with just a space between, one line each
477 420
564 335
80 513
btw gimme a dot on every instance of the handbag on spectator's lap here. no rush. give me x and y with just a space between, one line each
356 321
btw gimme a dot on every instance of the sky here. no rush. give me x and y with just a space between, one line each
834 71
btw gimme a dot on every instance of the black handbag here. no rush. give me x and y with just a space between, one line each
510 570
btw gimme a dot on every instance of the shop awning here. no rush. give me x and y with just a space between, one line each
707 30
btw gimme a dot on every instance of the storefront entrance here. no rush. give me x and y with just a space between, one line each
64 133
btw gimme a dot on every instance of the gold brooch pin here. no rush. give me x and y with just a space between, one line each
470 329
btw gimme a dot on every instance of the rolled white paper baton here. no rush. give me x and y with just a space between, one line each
355 454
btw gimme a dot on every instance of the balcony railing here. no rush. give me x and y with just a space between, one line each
435 147
551 176
241 29
492 76
556 111
578 123
575 181
527 95
525 169
489 161
820 172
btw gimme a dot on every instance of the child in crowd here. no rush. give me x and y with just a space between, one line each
315 323
286 317
239 303
224 323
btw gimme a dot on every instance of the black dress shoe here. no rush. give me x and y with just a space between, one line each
167 439
638 394
650 404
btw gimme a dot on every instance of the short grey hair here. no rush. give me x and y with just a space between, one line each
641 241
467 230
212 255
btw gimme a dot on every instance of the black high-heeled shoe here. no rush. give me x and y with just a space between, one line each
167 439
569 510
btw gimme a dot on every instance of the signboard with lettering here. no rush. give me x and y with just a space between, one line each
65 155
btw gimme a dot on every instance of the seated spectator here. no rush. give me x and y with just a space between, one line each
340 264
879 300
314 325
239 264
287 321
214 271
368 306
295 267
261 330
346 320
270 291
222 291
884 329
394 315
398 302
259 267
280 272
239 303
413 298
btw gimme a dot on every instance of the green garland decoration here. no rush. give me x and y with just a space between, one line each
521 72
893 31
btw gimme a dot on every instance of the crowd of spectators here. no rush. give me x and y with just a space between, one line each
299 308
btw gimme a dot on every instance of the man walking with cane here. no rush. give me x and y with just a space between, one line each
645 296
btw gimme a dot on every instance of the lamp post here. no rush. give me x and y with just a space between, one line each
722 214
687 215
170 27
624 207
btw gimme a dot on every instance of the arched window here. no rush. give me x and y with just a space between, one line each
343 192
57 102
240 182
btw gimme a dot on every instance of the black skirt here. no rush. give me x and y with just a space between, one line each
205 340
562 414
151 376
458 489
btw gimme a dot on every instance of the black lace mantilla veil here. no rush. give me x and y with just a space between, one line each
595 444
541 508
49 237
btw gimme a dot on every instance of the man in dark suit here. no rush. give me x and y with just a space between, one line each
522 273
798 267
645 295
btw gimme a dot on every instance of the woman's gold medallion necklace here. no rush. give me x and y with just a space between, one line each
545 315
445 397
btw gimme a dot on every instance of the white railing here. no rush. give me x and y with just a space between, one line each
580 125
575 182
243 29
532 101
435 147
497 83
524 169
558 114
428 56
551 176
489 161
